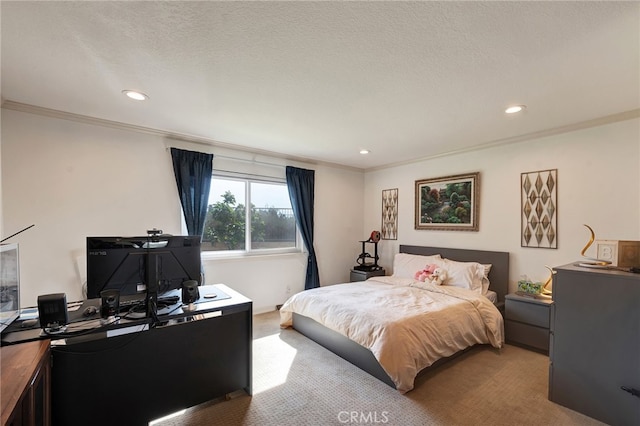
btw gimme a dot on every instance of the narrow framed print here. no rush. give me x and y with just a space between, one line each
390 214
449 203
539 211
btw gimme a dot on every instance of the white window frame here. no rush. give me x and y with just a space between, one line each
248 251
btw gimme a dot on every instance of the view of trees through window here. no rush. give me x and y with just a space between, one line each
270 215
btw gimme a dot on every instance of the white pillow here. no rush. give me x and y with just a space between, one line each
485 278
406 265
465 275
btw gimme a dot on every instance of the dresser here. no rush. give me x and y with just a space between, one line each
595 343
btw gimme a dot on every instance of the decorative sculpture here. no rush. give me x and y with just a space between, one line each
547 288
592 262
363 265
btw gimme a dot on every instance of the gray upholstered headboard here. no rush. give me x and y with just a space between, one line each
498 276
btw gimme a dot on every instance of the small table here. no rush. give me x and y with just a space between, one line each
527 321
358 275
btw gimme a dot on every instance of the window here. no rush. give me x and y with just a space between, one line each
273 226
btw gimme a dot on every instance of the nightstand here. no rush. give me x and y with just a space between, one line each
357 275
527 321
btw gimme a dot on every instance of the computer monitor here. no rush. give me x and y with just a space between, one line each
121 263
9 284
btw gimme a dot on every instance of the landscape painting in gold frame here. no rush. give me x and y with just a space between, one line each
449 203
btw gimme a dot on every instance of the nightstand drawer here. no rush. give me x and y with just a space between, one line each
530 313
525 334
357 275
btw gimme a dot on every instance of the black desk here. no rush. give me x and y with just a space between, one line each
129 373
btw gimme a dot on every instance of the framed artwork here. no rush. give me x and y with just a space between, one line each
539 212
390 214
449 203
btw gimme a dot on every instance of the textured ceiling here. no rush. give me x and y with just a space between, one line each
321 80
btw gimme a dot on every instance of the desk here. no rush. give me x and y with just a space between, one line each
130 373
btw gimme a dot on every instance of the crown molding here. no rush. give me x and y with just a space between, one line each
85 119
609 119
63 115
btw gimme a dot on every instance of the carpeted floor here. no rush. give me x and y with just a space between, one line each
297 382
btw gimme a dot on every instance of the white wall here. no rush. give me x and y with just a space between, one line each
74 180
269 281
598 185
2 234
339 203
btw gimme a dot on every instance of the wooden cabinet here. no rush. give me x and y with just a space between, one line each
595 343
26 379
527 321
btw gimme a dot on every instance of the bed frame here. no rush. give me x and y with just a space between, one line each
362 357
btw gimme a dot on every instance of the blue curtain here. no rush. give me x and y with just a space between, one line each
300 183
193 177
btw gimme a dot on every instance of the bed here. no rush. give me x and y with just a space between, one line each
345 335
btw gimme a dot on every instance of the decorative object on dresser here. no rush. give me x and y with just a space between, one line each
449 203
390 214
547 289
592 262
539 212
595 343
527 321
620 253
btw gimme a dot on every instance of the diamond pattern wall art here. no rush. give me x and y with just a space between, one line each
539 214
390 214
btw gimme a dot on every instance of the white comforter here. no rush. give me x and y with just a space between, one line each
406 327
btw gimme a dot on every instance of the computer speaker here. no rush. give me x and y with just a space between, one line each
190 293
52 311
110 303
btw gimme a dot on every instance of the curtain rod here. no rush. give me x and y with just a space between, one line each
262 178
244 160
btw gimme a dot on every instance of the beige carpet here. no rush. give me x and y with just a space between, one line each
297 382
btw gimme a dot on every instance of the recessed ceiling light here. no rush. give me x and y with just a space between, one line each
138 96
364 151
514 109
